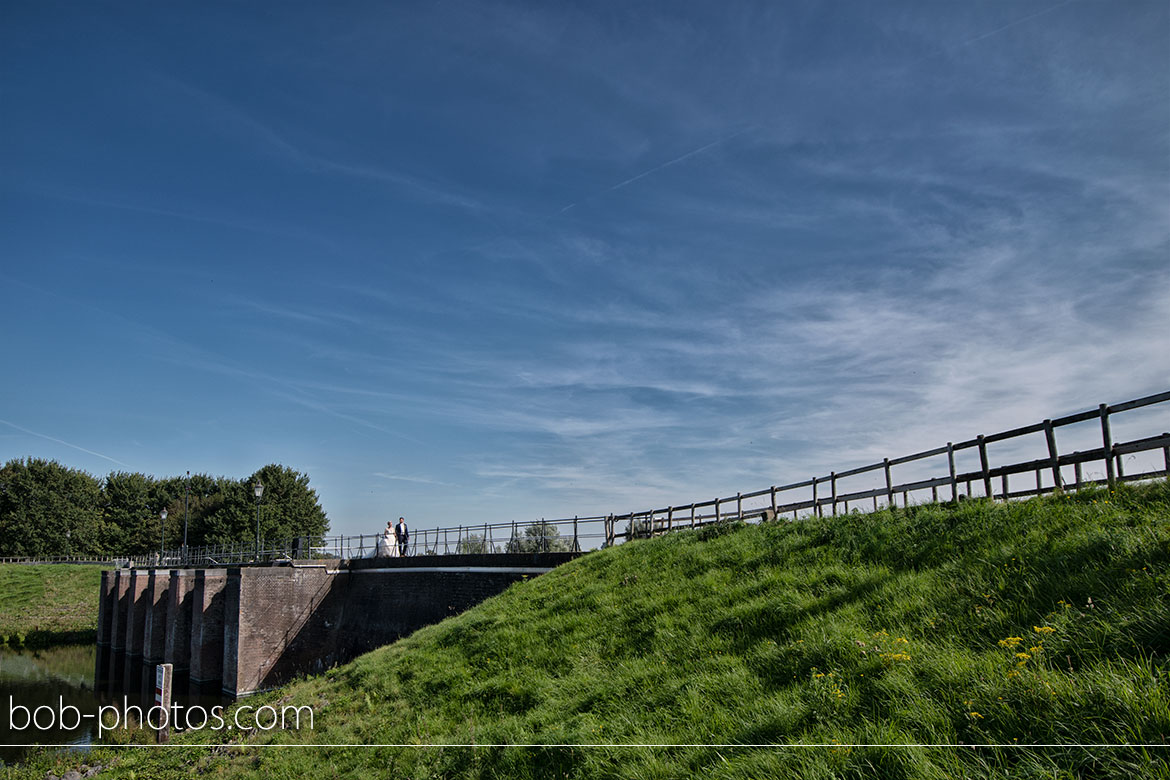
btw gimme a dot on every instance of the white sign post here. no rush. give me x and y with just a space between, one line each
162 698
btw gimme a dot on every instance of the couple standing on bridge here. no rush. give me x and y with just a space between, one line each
394 540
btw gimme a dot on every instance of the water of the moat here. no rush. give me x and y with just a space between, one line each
81 676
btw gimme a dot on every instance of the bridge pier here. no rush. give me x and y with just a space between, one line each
251 628
177 648
154 637
207 625
135 618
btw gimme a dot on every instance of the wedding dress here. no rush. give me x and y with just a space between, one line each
387 545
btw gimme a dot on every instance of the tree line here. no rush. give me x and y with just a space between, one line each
48 509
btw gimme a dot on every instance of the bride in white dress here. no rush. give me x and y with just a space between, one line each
387 543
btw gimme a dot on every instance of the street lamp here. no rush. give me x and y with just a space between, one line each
259 491
162 534
186 513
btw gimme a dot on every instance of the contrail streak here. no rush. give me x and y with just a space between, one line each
666 164
1017 21
67 444
996 31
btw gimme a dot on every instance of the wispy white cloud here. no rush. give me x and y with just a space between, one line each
406 478
55 440
236 122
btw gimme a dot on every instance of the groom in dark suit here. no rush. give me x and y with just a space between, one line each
402 534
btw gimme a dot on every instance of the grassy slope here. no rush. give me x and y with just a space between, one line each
48 604
882 628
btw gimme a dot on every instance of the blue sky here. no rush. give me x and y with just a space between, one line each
495 261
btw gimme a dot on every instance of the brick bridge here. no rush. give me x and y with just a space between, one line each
249 628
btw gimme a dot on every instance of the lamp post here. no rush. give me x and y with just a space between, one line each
162 534
186 514
259 491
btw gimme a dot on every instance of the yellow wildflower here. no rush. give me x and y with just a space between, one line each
1044 629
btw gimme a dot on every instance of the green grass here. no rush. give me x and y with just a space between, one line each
48 604
893 628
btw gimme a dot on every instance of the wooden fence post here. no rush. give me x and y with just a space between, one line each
815 507
774 496
739 505
1107 444
833 485
983 466
1050 438
889 485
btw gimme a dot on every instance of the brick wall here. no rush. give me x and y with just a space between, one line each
284 621
118 610
154 636
105 607
180 595
278 622
207 625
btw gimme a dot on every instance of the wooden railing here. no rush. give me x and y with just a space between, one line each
816 496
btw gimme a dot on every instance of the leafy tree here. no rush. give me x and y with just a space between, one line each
474 544
131 506
288 508
638 529
47 509
540 537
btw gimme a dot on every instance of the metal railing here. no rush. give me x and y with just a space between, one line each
816 496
